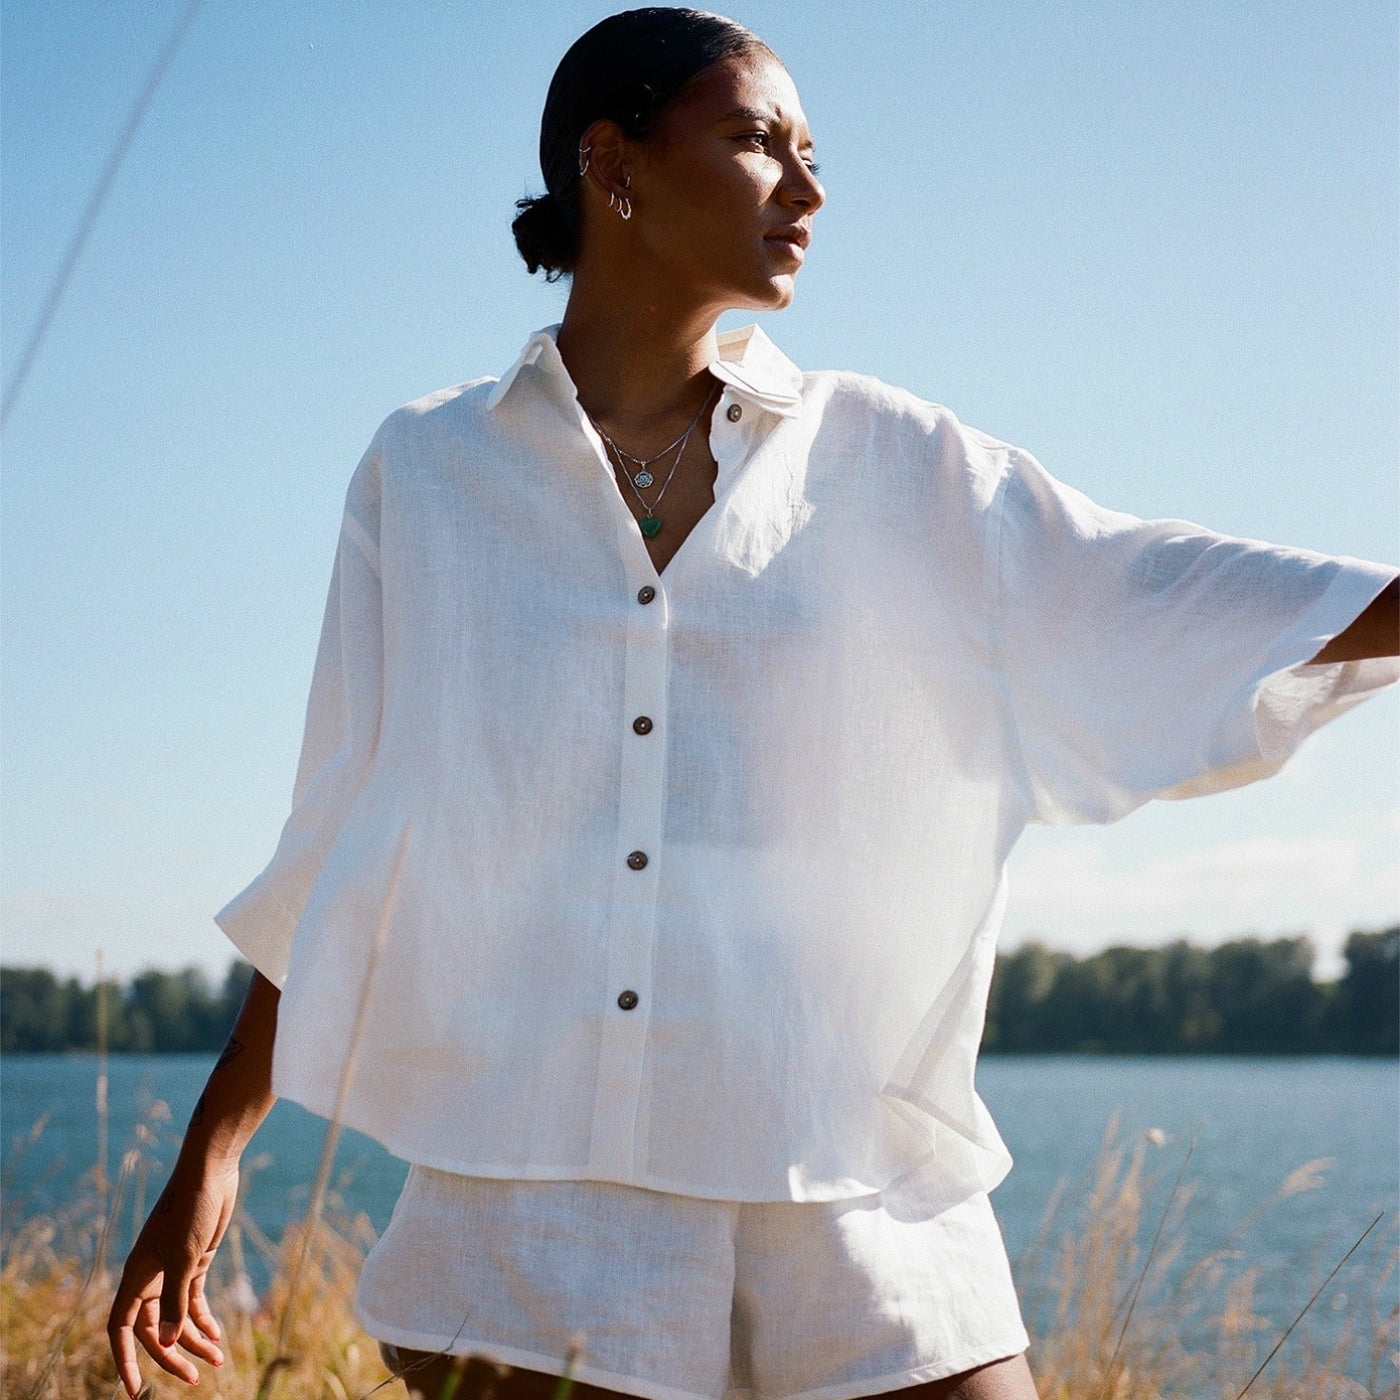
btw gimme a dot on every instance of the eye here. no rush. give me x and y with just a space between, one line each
763 139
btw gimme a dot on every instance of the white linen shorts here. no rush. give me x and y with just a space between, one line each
684 1298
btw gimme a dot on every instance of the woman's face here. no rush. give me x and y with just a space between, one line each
728 171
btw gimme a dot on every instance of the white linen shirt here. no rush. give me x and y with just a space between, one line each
746 953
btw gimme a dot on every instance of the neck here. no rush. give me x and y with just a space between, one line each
636 365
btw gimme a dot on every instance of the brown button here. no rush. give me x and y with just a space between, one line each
637 860
734 413
642 724
627 1000
646 593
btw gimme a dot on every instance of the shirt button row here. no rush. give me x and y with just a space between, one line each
637 860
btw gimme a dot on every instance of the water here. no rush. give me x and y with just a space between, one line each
1253 1122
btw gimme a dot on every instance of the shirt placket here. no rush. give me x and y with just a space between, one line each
637 854
636 858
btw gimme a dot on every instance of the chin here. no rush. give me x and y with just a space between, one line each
788 291
766 291
776 294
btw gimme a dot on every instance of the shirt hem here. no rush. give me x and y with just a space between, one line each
644 1180
516 1171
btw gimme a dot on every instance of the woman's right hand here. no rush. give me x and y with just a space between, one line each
160 1300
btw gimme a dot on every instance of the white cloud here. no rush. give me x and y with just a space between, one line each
1326 884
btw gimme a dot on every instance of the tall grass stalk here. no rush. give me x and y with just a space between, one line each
108 1205
102 1119
1309 1304
1137 1287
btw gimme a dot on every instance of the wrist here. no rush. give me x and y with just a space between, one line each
205 1154
214 1142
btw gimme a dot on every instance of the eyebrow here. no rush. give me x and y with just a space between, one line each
754 114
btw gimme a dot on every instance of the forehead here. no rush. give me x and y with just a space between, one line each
752 82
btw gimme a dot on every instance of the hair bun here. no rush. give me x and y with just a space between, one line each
543 236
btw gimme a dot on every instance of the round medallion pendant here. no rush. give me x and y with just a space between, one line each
643 478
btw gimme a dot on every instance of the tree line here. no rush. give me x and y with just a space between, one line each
155 1012
1246 996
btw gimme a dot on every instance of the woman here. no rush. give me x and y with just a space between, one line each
674 714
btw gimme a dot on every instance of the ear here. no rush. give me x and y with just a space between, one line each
607 151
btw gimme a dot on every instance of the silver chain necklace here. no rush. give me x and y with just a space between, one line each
650 523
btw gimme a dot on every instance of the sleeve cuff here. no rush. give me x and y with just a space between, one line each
1291 696
261 928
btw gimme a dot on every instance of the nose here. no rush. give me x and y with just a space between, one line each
802 189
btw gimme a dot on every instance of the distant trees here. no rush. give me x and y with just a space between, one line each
1363 1015
156 1011
1247 996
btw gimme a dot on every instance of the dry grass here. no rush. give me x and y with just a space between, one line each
1102 1300
1107 1305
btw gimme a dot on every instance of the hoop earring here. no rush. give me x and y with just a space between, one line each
621 203
583 153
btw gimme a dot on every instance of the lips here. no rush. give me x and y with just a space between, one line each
793 233
793 241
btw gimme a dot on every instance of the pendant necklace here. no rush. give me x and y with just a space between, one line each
641 477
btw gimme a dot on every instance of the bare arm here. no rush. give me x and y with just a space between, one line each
238 1095
160 1300
1376 632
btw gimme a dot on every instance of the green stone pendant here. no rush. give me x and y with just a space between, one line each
651 526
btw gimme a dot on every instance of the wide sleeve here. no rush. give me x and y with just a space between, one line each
1156 658
339 740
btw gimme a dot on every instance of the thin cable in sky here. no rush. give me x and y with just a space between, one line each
94 207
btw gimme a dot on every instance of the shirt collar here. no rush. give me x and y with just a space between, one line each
748 362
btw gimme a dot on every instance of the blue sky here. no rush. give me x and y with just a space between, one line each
1154 245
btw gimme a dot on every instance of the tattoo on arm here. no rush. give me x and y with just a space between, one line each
230 1052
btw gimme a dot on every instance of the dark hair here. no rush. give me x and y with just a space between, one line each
629 67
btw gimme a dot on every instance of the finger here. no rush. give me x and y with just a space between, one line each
140 1284
124 1354
167 1358
174 1294
197 1344
126 1307
199 1311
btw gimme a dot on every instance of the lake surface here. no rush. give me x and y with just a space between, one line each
1254 1121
